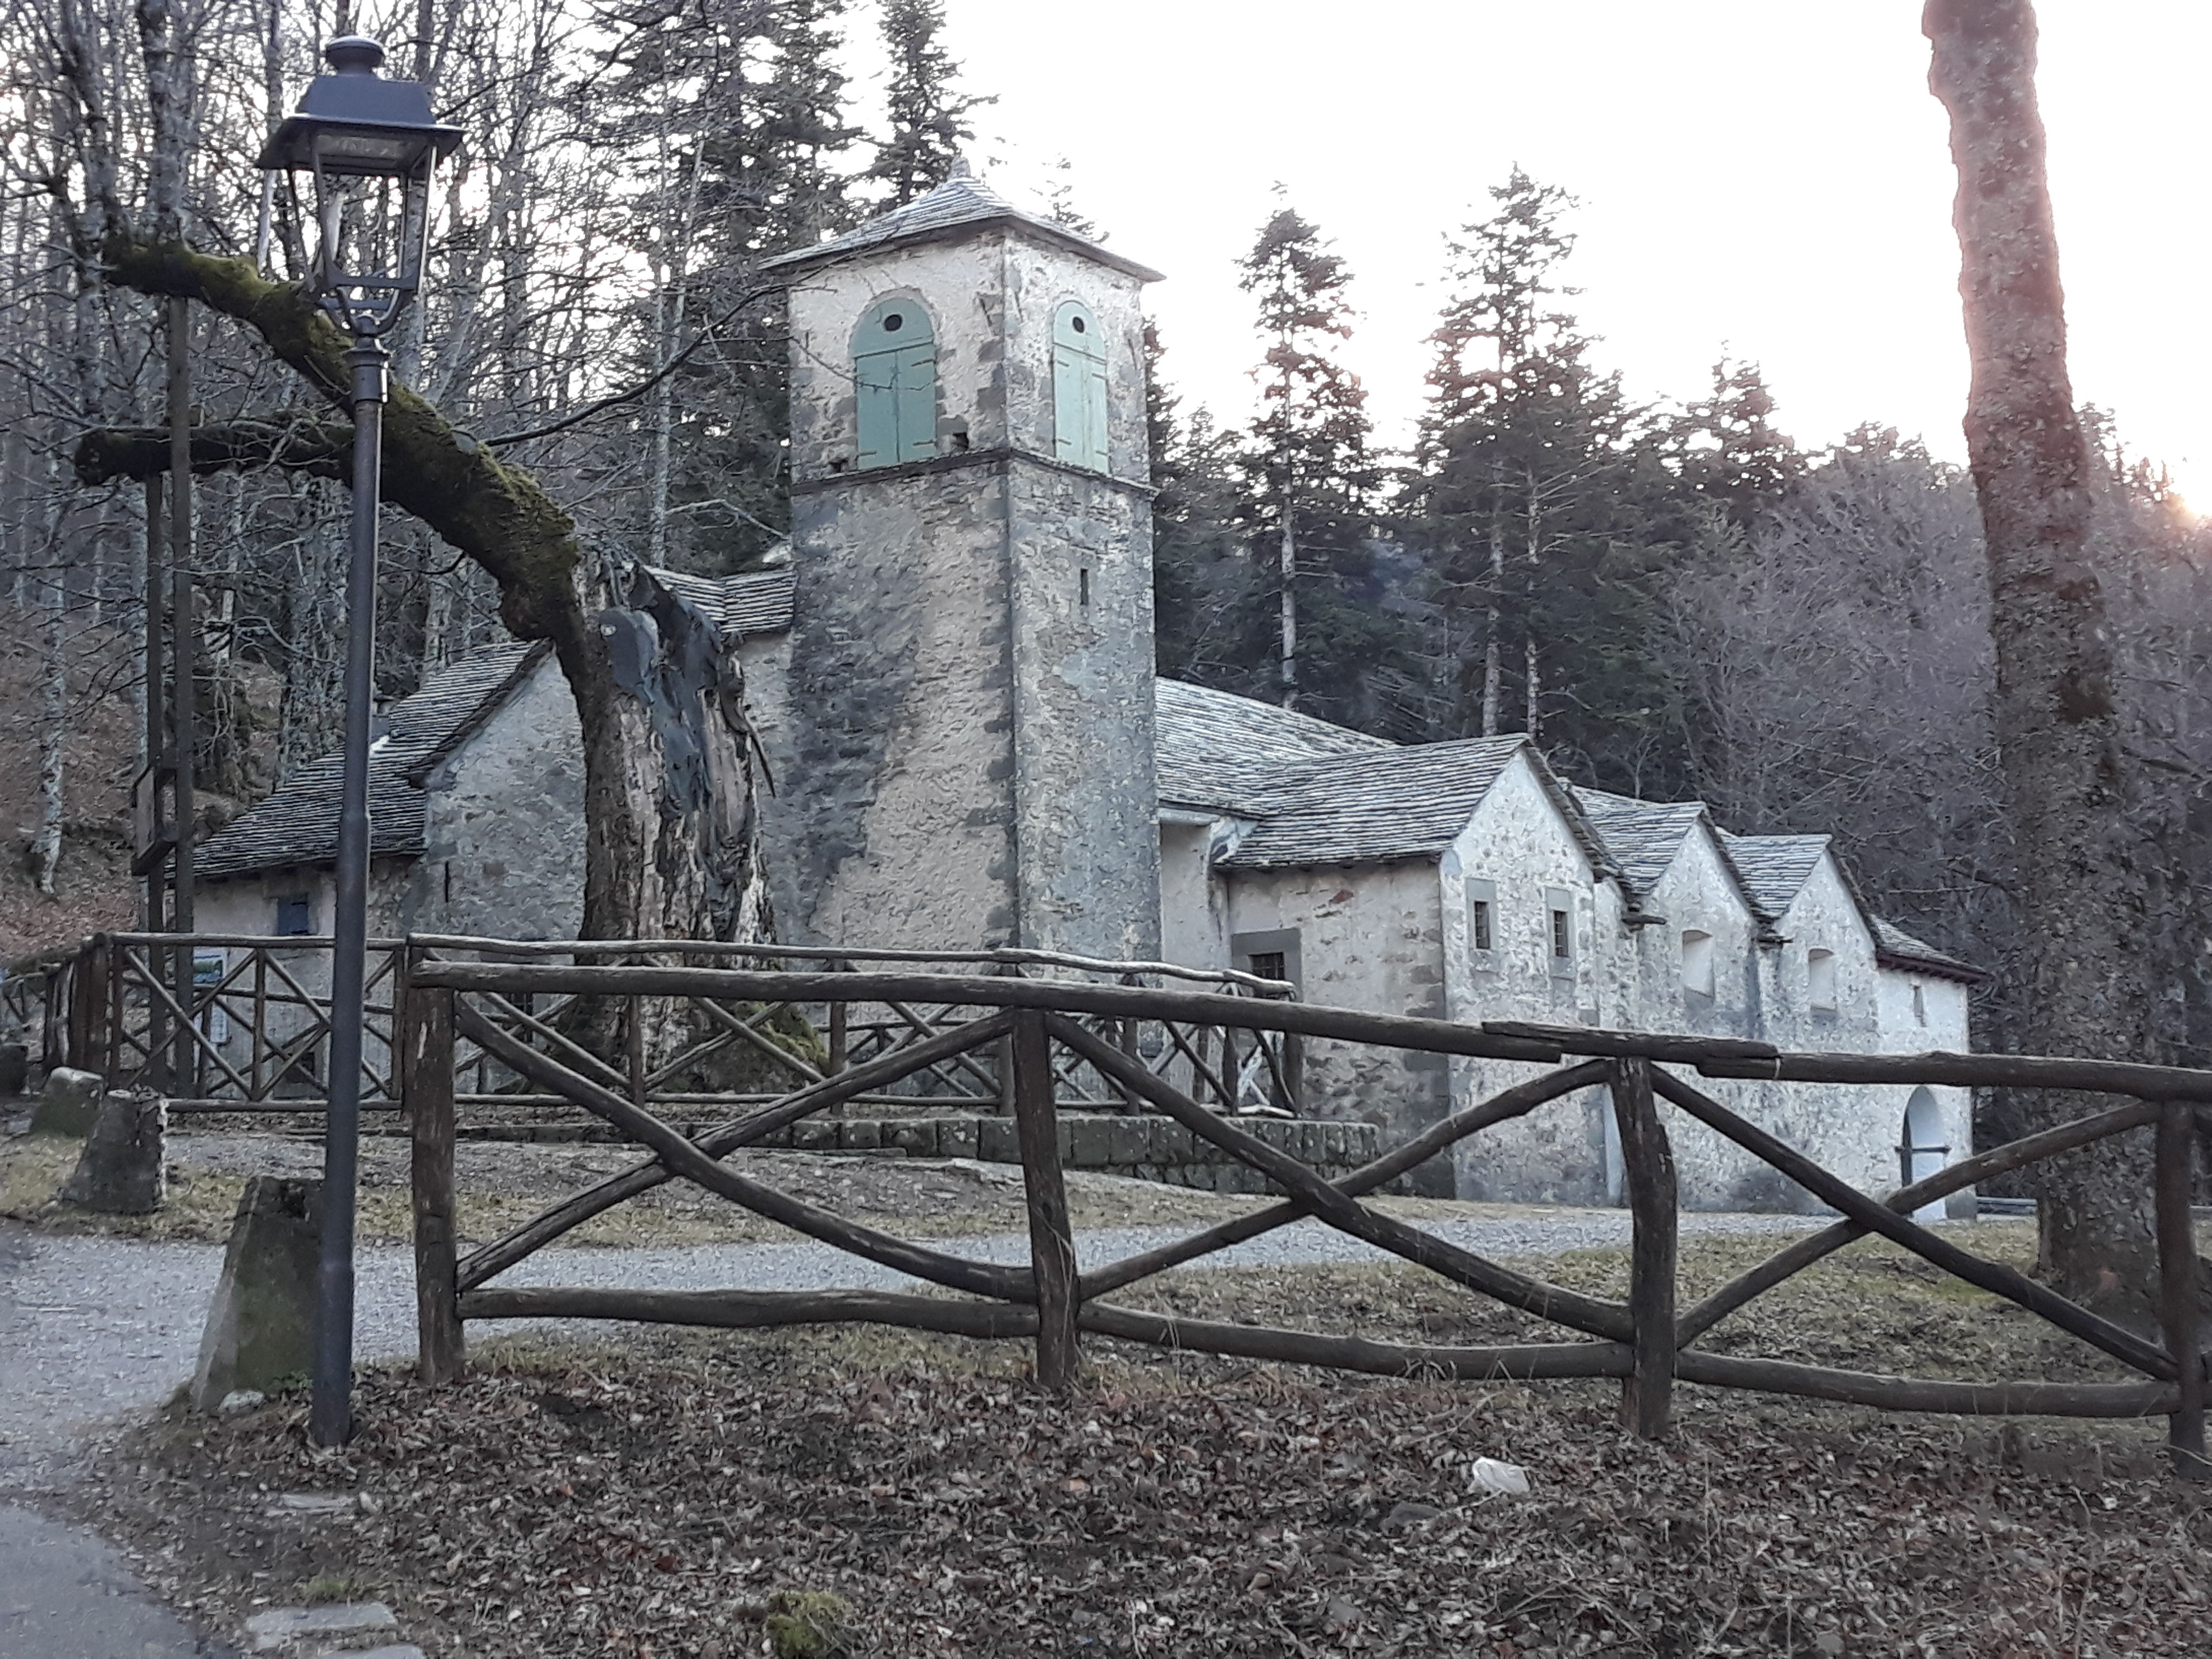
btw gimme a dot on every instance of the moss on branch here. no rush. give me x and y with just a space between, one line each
496 514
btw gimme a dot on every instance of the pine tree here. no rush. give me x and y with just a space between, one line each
1201 580
928 116
1733 455
1544 502
1312 478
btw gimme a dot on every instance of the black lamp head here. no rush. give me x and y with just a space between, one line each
355 124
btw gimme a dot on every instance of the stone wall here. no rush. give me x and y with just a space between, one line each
1145 1148
965 744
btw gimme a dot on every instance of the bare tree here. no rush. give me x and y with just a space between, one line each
2081 884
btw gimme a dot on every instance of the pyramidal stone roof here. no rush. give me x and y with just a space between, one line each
961 204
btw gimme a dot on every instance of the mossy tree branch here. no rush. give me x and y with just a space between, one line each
669 851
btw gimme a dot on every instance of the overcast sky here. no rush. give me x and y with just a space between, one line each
1767 176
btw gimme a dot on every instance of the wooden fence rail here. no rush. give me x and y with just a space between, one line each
1054 1031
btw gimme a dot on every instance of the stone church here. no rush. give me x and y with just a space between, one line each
952 677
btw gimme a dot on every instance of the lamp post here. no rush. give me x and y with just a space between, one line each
370 144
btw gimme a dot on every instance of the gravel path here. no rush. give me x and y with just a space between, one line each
92 1327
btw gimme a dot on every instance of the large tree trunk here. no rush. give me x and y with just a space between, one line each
2080 886
672 843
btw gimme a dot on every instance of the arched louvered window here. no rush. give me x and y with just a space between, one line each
1078 387
895 377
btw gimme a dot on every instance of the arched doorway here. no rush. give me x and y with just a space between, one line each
1923 1150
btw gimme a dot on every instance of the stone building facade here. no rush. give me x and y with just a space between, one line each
951 677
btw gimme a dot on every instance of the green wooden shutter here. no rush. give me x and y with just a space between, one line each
1078 388
917 403
894 384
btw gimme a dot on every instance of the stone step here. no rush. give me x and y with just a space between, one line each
278 1629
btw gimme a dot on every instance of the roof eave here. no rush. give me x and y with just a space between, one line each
806 259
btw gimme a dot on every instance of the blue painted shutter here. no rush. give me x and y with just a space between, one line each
1078 388
894 384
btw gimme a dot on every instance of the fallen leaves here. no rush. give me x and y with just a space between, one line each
612 1505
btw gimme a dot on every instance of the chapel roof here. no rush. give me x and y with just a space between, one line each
298 825
1380 807
1229 754
962 203
1895 948
751 602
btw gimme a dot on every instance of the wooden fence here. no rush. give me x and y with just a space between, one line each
1055 1031
241 1023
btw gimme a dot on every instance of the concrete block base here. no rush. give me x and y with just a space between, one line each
69 1103
261 1328
120 1172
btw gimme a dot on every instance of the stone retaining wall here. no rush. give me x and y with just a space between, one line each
1148 1148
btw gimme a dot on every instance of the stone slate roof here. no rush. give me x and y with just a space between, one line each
299 824
1376 808
1775 867
1643 835
752 602
1895 948
1223 753
963 202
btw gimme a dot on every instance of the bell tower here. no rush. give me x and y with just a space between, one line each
966 760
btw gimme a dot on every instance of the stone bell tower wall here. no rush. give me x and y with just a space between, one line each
968 759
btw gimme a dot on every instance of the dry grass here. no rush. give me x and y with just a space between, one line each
502 1185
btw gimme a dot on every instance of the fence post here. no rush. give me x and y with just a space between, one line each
2177 1286
88 993
1052 1244
427 1074
1647 1397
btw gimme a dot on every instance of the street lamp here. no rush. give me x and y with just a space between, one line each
370 144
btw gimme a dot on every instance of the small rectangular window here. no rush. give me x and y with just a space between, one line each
295 916
1920 1005
1268 964
1821 980
1697 962
1563 937
1482 922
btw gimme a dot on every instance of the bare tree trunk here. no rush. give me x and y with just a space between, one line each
53 707
1289 612
1493 654
2082 891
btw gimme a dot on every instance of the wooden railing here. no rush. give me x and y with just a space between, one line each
228 1022
1050 1030
216 1022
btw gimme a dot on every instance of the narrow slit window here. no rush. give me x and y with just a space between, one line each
1078 387
1083 585
895 384
1919 1004
1478 921
1562 936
